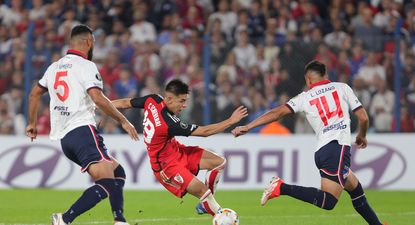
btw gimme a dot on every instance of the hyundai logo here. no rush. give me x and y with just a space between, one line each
34 165
378 161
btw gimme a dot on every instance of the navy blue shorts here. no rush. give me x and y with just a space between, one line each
333 161
84 146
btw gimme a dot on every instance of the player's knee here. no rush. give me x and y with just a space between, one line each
119 172
329 202
222 163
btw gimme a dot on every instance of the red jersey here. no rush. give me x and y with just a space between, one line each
160 126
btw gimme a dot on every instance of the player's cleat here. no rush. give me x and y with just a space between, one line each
121 223
272 191
57 219
385 223
200 209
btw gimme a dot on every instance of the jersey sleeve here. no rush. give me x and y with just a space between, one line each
296 104
139 102
43 82
176 127
351 98
91 78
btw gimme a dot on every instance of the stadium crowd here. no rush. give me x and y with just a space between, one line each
258 49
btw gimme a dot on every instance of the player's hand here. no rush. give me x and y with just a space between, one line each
238 114
361 142
31 131
129 128
240 130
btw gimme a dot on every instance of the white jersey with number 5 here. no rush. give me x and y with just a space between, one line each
326 105
68 81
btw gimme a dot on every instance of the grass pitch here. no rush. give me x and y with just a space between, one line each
32 207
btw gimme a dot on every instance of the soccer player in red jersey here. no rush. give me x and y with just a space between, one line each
326 105
176 165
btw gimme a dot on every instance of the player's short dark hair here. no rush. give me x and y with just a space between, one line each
317 67
177 87
80 29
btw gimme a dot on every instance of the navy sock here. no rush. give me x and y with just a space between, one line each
88 199
119 175
311 195
115 196
361 205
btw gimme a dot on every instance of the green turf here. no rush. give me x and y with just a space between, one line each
161 208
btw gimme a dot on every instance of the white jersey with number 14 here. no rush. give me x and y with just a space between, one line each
68 81
326 105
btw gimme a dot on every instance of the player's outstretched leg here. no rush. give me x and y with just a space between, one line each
199 190
215 165
360 203
314 196
88 199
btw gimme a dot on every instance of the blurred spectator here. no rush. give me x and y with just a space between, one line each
257 21
381 108
13 15
173 49
336 38
110 71
244 51
126 85
141 30
370 71
343 69
367 32
6 120
226 17
357 58
68 23
41 58
38 11
406 121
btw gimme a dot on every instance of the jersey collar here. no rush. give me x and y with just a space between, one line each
75 52
326 81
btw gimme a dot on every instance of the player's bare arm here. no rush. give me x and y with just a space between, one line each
237 115
34 99
270 116
363 126
124 103
105 105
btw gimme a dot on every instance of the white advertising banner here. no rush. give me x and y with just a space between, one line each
387 162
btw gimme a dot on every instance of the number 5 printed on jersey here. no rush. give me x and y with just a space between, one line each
324 110
61 83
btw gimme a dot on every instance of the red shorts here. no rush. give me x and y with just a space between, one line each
176 175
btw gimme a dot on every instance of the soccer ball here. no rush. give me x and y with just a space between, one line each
226 217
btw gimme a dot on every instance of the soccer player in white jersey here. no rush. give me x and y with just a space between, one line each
75 87
326 105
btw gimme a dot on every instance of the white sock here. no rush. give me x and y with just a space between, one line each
209 203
